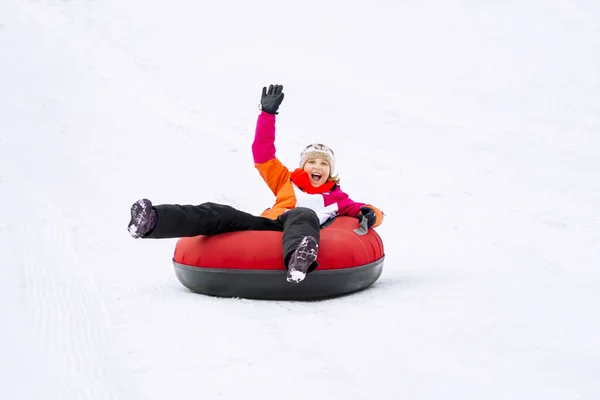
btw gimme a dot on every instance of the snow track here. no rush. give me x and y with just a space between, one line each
64 339
53 316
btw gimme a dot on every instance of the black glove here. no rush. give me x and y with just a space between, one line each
270 100
369 214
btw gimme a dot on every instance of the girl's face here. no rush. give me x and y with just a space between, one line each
318 171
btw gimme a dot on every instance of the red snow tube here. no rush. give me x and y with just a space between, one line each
249 264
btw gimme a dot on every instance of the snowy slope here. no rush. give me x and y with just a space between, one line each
474 125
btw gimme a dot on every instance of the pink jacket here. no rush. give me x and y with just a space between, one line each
287 194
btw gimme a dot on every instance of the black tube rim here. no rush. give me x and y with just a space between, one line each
241 271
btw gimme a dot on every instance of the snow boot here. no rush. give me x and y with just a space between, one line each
143 218
304 256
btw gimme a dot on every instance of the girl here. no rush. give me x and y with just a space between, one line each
306 199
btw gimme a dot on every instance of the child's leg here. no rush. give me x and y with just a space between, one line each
299 224
174 221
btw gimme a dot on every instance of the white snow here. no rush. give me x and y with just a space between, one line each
475 126
295 276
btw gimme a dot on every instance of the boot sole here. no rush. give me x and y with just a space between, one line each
140 214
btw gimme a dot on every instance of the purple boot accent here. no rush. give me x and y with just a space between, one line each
304 256
143 218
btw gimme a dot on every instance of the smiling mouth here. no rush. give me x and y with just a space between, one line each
315 177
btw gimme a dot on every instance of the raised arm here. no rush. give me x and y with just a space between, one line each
272 171
263 147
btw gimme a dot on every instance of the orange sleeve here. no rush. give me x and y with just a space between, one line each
274 173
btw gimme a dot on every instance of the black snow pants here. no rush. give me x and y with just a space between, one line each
175 221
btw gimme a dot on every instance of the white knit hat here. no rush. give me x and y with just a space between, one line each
318 150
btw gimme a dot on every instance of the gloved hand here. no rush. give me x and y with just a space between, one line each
369 214
270 100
